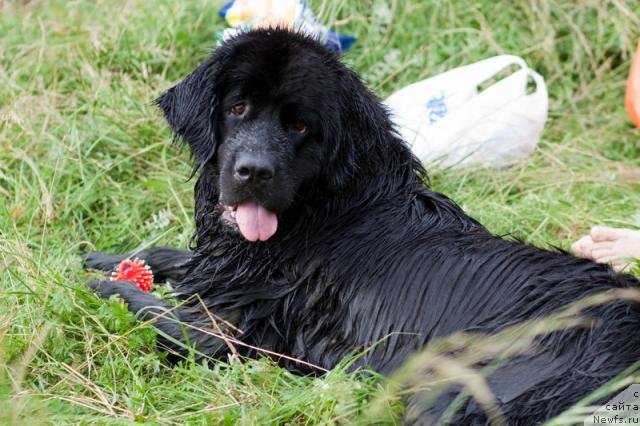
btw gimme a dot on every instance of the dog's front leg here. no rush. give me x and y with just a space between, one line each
181 330
167 263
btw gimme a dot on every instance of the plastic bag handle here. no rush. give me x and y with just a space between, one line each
489 67
541 87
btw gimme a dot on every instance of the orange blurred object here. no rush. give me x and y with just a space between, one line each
632 96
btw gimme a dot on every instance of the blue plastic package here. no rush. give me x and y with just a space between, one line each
243 15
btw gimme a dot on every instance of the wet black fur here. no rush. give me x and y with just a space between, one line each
366 250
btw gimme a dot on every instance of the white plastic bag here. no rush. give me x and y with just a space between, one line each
448 121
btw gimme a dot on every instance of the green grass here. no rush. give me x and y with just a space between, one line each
86 163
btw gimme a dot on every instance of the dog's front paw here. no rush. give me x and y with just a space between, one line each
106 289
101 261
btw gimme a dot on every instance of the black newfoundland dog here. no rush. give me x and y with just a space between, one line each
316 238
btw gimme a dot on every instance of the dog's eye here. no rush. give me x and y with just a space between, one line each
299 126
238 109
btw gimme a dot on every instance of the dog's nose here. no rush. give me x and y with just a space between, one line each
250 168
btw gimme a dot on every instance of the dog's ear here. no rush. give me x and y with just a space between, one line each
358 137
190 108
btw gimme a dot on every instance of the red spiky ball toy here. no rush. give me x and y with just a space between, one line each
135 271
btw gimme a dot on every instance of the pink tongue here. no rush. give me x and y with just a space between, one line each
255 222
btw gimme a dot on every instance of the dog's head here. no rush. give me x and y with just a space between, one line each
267 112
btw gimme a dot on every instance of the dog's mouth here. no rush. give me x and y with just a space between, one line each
254 221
